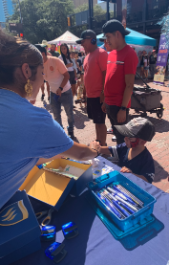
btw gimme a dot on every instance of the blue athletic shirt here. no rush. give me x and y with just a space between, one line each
27 133
142 164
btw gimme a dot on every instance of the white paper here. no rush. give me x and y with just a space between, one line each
74 170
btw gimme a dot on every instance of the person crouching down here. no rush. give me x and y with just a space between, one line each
132 155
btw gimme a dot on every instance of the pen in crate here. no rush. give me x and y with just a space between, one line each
119 200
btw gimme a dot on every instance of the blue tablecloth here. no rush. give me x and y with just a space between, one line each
95 244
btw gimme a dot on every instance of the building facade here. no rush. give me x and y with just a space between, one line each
78 3
144 15
6 9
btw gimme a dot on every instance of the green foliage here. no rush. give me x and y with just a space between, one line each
81 8
42 19
97 10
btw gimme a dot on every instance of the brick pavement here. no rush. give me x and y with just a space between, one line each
159 147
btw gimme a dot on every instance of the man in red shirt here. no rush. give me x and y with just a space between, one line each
121 69
95 65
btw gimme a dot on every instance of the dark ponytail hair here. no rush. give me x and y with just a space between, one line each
68 53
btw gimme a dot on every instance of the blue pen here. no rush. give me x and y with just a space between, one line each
122 216
117 193
116 204
113 208
117 198
121 209
134 198
126 207
128 198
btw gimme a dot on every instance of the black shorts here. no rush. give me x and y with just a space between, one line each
94 110
72 78
44 81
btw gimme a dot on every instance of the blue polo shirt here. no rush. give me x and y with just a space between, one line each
142 164
27 133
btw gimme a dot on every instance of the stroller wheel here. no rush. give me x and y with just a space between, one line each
160 114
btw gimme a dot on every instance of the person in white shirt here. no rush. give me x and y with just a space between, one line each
55 72
65 57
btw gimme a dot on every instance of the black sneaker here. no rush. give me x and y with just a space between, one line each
42 97
71 135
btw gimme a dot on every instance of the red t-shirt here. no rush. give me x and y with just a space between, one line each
119 64
94 64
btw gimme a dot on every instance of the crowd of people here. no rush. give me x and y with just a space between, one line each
148 64
30 136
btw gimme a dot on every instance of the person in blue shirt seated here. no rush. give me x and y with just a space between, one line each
132 155
29 135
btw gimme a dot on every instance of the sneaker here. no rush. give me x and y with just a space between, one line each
114 139
110 131
71 135
42 97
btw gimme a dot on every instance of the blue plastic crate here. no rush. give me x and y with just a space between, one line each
116 178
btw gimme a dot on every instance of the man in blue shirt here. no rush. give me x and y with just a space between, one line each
132 155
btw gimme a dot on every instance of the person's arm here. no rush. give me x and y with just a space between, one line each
102 60
69 65
127 170
77 152
101 149
64 82
129 80
102 93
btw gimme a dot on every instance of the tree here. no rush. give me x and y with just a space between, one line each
165 27
97 10
43 19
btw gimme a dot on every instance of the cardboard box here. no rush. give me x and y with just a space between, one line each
52 188
19 229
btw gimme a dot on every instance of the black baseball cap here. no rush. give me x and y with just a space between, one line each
86 34
114 25
137 128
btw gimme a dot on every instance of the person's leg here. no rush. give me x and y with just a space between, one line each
73 89
146 74
151 70
142 71
56 107
101 133
48 89
112 113
43 91
67 102
99 119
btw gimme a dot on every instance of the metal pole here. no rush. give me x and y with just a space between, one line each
108 13
144 16
90 2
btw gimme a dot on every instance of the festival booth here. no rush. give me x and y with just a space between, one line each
138 41
68 38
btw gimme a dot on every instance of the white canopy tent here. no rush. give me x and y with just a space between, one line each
67 38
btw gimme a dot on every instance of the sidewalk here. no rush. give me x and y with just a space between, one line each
159 147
